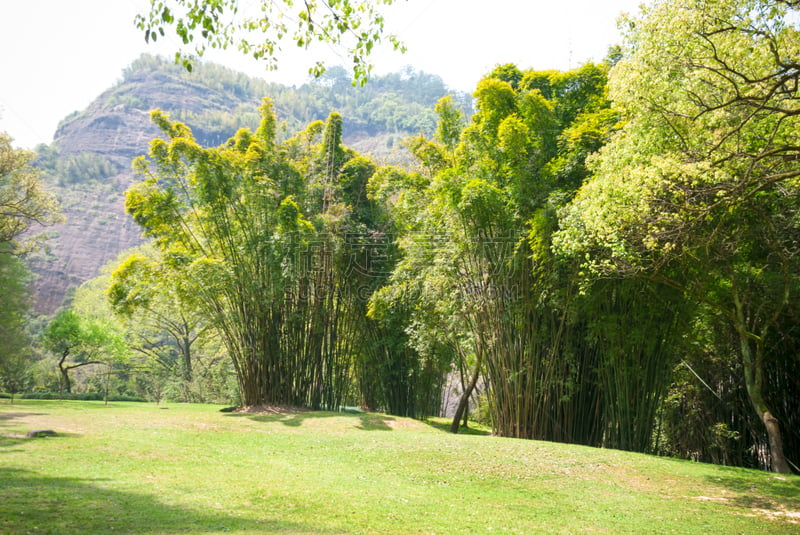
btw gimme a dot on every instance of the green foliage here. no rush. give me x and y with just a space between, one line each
637 328
508 73
356 25
16 353
450 123
616 275
78 341
83 167
68 333
77 168
140 297
273 242
46 158
478 283
15 297
83 396
23 201
698 190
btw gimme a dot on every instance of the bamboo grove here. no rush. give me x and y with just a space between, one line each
274 256
515 257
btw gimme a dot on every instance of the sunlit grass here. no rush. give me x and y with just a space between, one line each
142 469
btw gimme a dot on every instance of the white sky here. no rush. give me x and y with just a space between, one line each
56 56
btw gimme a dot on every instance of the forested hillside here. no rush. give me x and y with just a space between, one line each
89 163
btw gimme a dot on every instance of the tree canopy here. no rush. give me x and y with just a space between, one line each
14 337
699 190
273 241
24 203
356 25
25 207
79 341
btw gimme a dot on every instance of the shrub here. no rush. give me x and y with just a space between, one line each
86 396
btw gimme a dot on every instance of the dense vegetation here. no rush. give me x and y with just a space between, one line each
24 206
605 256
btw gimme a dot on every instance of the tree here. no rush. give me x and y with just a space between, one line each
358 25
15 375
23 201
14 340
147 290
268 236
699 191
77 341
450 124
477 219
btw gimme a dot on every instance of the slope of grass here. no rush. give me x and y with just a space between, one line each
141 469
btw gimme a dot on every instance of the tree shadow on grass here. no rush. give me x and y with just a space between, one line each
375 422
369 421
32 503
764 491
8 440
6 417
7 446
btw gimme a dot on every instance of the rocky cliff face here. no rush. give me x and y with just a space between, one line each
96 230
117 124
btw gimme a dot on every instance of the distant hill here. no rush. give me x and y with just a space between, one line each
88 164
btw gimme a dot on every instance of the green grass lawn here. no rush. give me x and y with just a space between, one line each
141 469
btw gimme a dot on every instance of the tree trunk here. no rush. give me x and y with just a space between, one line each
753 378
464 401
185 345
779 463
66 386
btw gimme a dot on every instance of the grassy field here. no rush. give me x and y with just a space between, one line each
142 469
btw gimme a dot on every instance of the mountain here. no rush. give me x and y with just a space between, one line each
88 165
